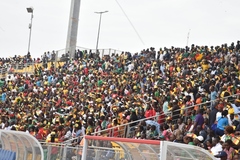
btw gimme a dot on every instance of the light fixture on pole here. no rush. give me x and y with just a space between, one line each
99 27
30 10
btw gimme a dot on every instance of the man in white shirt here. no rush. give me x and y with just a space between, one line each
68 135
217 147
236 108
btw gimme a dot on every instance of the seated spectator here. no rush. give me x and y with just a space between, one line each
222 155
216 146
189 126
181 125
229 150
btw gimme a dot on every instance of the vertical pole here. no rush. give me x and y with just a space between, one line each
102 53
73 27
185 116
163 152
125 130
128 131
84 150
30 27
65 148
188 36
99 26
55 61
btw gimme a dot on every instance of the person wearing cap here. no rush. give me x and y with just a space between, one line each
198 141
222 155
177 78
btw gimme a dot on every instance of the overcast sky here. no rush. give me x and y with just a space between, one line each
159 23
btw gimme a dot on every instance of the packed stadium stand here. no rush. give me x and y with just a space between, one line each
92 106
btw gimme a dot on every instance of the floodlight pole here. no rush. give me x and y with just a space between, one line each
30 10
99 27
73 28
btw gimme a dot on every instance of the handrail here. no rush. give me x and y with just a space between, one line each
152 117
162 114
70 140
22 65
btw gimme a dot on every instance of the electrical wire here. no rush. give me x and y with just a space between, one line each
130 22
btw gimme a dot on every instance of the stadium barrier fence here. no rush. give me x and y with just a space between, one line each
128 130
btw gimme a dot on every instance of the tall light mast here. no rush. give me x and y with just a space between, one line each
73 28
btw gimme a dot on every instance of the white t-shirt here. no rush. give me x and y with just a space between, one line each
218 115
216 149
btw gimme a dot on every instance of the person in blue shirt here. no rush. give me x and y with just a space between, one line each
222 123
213 96
50 79
38 83
4 96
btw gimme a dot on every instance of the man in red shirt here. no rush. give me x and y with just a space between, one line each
149 112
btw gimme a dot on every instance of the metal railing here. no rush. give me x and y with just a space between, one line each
17 68
129 130
65 149
62 53
58 56
69 152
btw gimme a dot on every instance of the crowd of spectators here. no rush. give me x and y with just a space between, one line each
90 93
10 64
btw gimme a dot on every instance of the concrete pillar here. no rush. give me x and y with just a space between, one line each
73 27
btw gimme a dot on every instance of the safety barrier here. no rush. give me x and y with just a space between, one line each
58 56
150 149
24 68
129 128
61 55
62 151
23 144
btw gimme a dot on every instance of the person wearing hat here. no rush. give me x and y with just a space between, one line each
222 155
198 141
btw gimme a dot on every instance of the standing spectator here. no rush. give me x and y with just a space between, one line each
199 120
222 123
213 96
212 117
